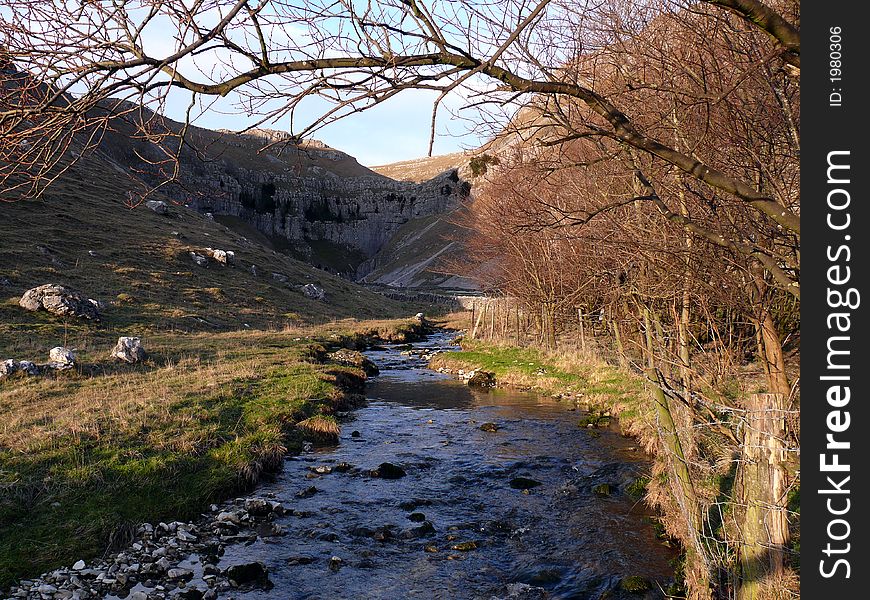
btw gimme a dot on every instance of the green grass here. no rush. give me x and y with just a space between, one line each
545 372
87 454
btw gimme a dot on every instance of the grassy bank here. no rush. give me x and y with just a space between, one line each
88 453
592 383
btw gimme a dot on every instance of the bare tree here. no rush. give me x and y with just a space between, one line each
272 55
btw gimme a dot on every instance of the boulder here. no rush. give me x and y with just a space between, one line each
388 471
8 367
524 483
417 517
415 533
61 301
258 507
61 358
481 378
129 349
28 367
280 277
224 257
489 427
158 206
199 259
255 573
314 292
354 358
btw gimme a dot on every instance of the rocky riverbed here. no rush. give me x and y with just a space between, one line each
435 490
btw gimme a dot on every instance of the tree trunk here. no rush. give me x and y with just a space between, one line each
762 489
623 360
675 458
480 316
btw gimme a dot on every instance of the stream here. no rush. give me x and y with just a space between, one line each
458 524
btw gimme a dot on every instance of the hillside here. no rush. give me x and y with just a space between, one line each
138 263
311 201
424 254
423 169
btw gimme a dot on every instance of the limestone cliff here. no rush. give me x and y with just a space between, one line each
313 201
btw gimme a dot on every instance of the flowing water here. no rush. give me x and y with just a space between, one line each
453 526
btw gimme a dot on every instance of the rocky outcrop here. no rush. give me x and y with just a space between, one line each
314 292
334 212
302 191
129 350
61 358
158 206
362 213
61 301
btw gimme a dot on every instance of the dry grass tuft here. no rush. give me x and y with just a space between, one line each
322 427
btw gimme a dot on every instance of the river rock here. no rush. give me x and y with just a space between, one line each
354 358
602 489
635 584
417 517
61 301
314 292
61 358
524 483
301 559
489 427
258 507
307 492
253 572
179 573
129 350
383 534
228 517
481 378
388 471
465 546
425 529
158 206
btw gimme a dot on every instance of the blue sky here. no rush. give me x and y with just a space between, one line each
394 131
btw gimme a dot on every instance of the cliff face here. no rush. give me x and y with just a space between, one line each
362 212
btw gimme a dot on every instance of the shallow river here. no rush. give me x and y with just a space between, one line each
453 526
